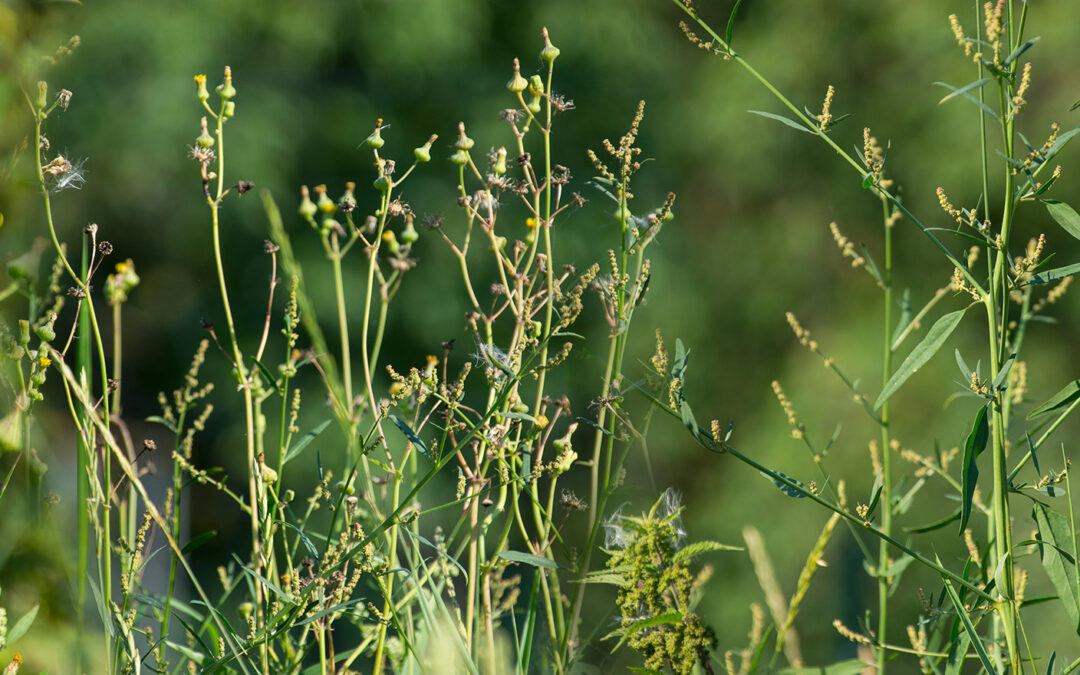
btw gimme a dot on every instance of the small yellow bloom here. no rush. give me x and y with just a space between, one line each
44 361
541 421
530 222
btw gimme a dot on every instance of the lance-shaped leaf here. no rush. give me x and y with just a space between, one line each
1055 537
923 352
1065 215
976 443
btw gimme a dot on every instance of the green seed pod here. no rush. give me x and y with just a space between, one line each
307 207
382 183
375 140
24 332
226 90
517 83
534 104
459 158
205 140
463 142
536 85
550 52
423 153
498 245
500 161
519 408
246 610
46 331
535 328
409 235
229 109
622 214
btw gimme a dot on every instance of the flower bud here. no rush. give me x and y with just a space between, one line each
459 158
500 161
423 153
229 109
463 142
534 104
24 332
391 242
245 609
375 140
205 140
42 95
46 332
307 207
382 183
536 85
550 52
226 90
200 88
409 235
517 83
325 204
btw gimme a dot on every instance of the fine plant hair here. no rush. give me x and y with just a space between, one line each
978 611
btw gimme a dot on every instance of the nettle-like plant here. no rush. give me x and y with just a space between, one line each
978 611
344 569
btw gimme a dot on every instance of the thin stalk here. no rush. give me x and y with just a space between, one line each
886 454
343 324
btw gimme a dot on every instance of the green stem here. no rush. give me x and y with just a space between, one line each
886 453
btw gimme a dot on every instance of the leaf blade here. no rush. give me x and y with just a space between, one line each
922 353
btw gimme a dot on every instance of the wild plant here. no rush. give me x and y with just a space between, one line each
978 611
355 558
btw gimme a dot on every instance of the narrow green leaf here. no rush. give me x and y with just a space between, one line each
923 352
162 421
304 442
1054 274
730 31
970 86
976 443
972 635
198 541
1065 215
985 108
188 653
1067 395
285 597
528 559
783 120
785 488
699 547
411 435
957 653
849 667
1055 531
937 525
22 625
1016 53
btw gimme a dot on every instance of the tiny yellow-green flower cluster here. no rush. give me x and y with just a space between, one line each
847 248
826 117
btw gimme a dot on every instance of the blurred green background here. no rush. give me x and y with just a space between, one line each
750 240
